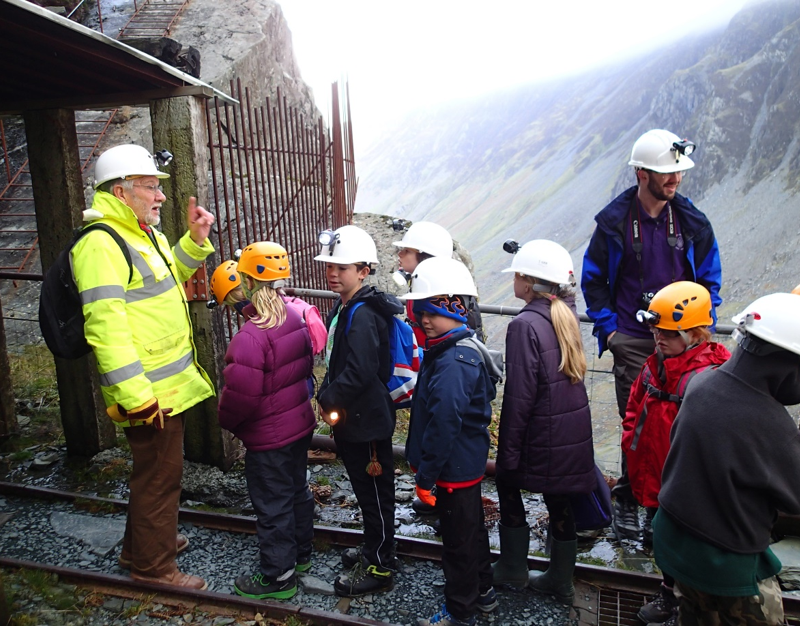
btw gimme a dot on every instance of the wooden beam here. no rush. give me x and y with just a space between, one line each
179 125
57 183
111 100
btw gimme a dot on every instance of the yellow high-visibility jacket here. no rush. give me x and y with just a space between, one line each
141 332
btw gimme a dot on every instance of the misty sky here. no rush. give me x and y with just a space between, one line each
401 56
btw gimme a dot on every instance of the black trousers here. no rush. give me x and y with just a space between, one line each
629 353
284 505
375 495
512 510
466 560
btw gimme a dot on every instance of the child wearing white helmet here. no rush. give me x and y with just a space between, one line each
425 240
545 440
355 402
448 437
732 466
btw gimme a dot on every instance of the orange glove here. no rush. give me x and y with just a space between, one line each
147 414
426 495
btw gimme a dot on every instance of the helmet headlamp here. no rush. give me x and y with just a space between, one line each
648 317
511 246
683 147
398 224
162 157
328 238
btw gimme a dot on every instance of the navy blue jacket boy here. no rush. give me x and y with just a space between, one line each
448 437
447 445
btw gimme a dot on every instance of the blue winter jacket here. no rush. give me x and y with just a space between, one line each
448 437
603 258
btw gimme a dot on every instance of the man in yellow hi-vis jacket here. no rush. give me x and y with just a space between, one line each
141 335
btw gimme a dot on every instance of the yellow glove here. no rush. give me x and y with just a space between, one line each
148 413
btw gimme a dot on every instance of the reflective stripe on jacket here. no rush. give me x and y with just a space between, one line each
141 332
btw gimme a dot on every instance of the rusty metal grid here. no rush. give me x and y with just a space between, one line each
619 608
153 18
278 176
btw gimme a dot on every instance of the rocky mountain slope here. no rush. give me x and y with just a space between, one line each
540 161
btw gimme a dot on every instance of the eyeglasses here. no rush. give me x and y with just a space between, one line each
154 189
666 334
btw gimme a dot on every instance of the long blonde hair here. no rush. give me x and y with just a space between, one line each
269 306
568 331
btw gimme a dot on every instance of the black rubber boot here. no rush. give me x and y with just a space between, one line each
557 580
512 566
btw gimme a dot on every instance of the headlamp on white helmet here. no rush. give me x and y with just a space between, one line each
542 259
347 245
661 151
129 160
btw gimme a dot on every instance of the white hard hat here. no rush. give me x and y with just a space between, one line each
429 238
346 245
772 318
123 161
545 260
439 276
662 151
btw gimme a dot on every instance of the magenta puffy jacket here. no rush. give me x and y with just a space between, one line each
265 400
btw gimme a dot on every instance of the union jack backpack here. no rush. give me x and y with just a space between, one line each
406 359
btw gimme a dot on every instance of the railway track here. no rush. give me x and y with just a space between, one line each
604 596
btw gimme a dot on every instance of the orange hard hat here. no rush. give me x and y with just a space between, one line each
224 280
680 306
265 261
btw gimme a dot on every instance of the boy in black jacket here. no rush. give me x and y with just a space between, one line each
355 402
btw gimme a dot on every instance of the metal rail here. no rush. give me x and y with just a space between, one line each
611 596
111 584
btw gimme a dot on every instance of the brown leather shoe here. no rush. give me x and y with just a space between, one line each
182 541
175 579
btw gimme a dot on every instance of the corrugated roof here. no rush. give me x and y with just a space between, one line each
47 61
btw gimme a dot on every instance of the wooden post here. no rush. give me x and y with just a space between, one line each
59 200
179 125
8 417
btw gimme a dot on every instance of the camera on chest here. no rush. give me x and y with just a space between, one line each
645 299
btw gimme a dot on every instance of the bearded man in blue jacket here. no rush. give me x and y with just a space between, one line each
646 238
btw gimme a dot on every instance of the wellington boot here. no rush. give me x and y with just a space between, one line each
512 566
557 580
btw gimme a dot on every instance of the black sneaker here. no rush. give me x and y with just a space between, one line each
626 520
303 564
443 618
260 587
660 608
671 621
421 508
362 580
487 601
351 556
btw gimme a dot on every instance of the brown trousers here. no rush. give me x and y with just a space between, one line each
155 492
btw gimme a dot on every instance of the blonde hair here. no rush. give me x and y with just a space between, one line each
568 332
234 296
269 306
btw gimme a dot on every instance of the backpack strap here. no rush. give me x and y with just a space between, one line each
350 316
114 235
680 390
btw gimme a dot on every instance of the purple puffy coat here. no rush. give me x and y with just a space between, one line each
545 442
265 400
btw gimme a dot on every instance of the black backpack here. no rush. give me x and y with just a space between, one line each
60 310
